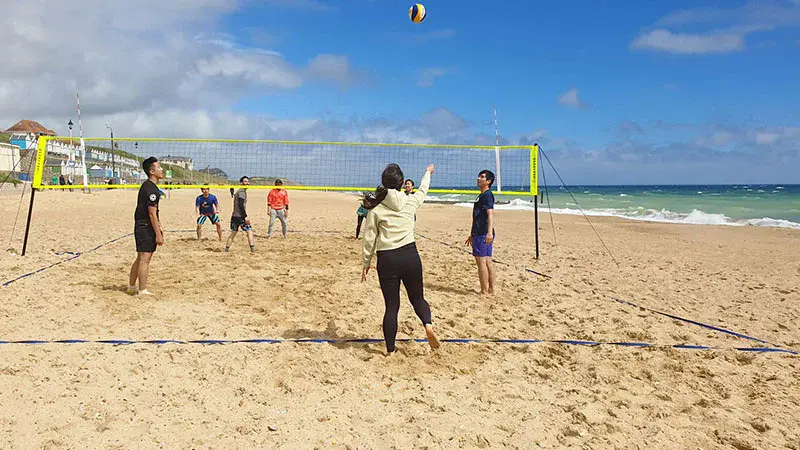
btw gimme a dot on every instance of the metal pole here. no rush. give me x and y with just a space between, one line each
497 151
28 222
71 150
113 163
536 221
83 148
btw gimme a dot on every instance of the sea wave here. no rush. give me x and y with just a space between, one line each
696 217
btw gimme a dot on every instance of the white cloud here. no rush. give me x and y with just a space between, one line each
766 138
301 4
715 140
726 29
774 135
334 68
664 40
571 99
427 76
250 67
141 65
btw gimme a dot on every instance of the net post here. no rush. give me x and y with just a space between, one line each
28 222
38 174
534 161
497 164
536 223
85 169
41 156
497 152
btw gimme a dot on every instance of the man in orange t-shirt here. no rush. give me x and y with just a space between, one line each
278 206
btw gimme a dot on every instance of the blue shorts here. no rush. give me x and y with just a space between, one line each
213 217
237 223
479 246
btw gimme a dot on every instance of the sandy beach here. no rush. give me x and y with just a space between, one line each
470 395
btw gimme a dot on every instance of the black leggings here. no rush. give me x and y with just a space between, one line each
401 264
358 227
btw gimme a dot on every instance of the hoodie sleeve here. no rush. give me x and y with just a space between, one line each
422 192
370 237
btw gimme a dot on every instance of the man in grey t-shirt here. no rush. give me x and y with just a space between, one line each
239 218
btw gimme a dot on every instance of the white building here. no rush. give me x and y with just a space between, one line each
180 161
9 158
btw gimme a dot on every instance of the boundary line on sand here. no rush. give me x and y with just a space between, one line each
75 255
378 340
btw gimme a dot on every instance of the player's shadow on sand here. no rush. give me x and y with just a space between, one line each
331 332
448 289
113 288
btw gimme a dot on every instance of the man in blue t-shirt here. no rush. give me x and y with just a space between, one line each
482 235
206 206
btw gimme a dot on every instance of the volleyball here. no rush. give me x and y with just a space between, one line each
417 13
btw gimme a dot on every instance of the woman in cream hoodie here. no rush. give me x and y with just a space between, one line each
390 234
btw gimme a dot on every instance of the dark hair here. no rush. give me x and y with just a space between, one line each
278 182
147 164
489 176
243 178
392 178
412 182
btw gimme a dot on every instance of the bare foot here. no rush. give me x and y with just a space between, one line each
432 339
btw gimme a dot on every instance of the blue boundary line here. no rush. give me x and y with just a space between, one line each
581 343
75 255
700 324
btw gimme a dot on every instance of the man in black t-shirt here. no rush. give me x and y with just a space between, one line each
482 235
239 219
147 228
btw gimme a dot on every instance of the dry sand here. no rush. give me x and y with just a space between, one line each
303 395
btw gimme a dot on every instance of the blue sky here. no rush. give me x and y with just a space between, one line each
651 66
615 92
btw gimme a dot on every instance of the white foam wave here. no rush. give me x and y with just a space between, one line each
696 217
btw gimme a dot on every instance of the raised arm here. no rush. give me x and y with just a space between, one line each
424 185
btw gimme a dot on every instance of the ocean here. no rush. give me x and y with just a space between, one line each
763 205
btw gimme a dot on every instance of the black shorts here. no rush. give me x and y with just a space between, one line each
145 236
237 223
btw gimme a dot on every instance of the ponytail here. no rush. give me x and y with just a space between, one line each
373 199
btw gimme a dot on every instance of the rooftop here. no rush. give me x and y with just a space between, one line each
30 126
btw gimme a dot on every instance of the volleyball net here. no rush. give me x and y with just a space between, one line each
100 163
